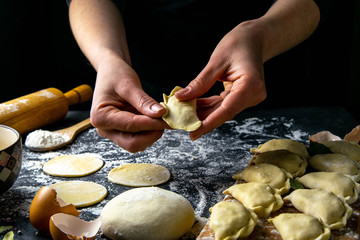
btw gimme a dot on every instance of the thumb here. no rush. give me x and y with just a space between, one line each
201 84
144 103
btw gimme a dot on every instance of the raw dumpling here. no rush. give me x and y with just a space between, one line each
338 183
325 205
283 144
266 173
180 114
290 162
351 150
335 162
259 197
299 226
231 220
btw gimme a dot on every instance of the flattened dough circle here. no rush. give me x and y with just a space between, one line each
76 165
80 193
139 174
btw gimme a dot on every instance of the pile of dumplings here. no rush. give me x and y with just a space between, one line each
320 186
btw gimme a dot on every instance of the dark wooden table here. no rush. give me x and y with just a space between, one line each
200 170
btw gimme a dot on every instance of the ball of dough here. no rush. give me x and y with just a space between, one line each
149 213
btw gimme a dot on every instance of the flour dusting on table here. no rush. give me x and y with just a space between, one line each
200 170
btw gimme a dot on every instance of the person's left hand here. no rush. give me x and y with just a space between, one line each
237 61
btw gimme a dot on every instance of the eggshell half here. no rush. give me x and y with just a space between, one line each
44 205
64 226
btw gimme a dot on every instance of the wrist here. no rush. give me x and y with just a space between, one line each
111 57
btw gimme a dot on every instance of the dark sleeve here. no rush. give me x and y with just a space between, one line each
325 7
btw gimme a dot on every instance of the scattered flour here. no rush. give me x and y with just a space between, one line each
45 139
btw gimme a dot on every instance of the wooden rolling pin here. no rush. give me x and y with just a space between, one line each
41 108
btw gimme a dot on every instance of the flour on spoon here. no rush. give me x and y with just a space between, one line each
45 139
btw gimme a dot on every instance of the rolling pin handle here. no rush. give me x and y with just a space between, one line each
80 94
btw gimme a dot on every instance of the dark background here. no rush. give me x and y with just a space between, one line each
39 51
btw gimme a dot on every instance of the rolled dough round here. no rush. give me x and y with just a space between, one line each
149 213
139 175
76 165
80 193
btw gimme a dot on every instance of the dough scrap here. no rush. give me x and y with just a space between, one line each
266 173
80 193
76 165
231 220
338 183
139 174
325 205
335 162
259 197
283 144
300 226
180 114
290 162
147 213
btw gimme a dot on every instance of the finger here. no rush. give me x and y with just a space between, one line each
244 94
203 82
207 105
212 121
112 118
132 142
140 100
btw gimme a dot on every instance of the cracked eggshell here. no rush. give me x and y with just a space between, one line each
44 205
64 226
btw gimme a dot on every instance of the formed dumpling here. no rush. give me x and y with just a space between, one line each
335 162
283 144
325 205
180 114
231 220
290 162
266 173
299 226
259 197
338 183
351 150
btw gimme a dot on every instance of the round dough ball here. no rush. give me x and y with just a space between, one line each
149 213
139 175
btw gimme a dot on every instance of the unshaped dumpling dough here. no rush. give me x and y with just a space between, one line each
74 165
299 226
349 149
290 162
283 144
335 162
231 220
147 213
266 173
180 114
325 205
338 183
139 174
259 197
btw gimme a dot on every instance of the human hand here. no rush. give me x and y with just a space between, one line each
238 62
122 111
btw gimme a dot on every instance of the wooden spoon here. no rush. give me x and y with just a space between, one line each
70 134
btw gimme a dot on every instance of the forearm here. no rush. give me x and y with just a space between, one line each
286 24
98 29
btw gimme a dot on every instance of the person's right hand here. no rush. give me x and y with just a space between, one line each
121 111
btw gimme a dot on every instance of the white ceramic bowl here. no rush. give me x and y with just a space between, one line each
10 157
